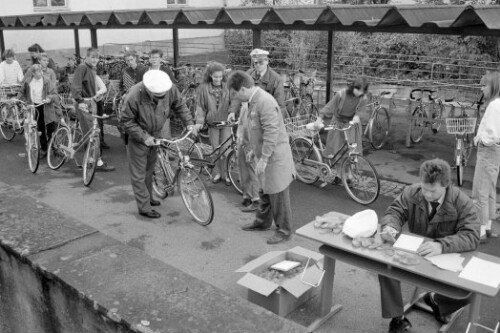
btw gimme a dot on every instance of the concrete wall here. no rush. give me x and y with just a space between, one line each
31 301
57 39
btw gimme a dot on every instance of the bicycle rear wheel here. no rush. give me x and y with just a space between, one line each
6 125
195 196
233 171
163 176
303 149
56 156
90 160
360 179
418 124
378 128
33 148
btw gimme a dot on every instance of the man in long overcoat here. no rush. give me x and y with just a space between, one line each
274 164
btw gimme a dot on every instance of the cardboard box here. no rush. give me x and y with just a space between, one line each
280 298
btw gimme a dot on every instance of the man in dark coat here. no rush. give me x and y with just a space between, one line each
437 210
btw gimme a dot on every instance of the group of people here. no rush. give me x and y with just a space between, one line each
434 208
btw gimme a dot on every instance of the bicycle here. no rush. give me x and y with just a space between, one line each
64 144
464 128
11 116
194 194
419 116
298 99
359 176
208 160
378 125
31 134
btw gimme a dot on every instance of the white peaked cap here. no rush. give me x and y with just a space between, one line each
259 53
157 82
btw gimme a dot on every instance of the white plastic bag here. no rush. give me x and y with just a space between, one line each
361 224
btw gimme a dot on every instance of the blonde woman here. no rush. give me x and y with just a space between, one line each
213 106
488 154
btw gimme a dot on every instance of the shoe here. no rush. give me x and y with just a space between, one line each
336 181
429 300
105 167
227 181
152 214
254 206
278 237
104 145
154 202
216 179
254 227
246 202
399 325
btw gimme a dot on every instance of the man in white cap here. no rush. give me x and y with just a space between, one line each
270 81
146 108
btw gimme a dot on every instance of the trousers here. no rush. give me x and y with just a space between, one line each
141 160
392 300
275 207
248 179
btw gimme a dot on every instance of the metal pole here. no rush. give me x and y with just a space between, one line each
2 42
329 66
77 45
175 37
93 37
257 41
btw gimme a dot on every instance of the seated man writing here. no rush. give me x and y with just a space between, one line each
437 210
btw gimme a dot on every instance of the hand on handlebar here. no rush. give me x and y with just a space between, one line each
317 125
231 117
195 129
150 141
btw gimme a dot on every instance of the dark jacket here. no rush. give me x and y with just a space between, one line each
271 82
141 118
131 77
206 104
455 225
52 111
337 108
83 85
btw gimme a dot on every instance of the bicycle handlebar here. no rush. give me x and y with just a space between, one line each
423 91
15 100
334 127
223 123
165 142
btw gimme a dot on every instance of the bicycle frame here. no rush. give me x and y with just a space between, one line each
216 154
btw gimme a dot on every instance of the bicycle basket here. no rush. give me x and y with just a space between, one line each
7 92
296 126
67 101
460 125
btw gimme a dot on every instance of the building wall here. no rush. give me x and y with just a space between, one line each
57 39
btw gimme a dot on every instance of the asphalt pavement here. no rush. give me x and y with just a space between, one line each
213 253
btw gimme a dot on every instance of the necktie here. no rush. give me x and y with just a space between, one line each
257 77
434 205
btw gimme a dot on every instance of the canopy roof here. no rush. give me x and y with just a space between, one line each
463 20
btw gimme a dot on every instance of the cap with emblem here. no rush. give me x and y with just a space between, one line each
259 54
157 82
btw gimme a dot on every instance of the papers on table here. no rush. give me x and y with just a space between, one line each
285 265
482 271
408 243
449 261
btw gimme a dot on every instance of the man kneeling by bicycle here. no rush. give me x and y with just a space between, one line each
343 108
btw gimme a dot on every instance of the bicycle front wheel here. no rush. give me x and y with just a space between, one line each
233 171
418 124
360 179
90 160
33 149
302 150
6 125
195 196
378 128
56 156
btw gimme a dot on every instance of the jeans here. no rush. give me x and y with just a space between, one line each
484 185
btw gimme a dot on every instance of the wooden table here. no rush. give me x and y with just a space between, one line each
424 275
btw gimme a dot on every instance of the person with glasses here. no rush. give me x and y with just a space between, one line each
84 85
488 154
340 110
131 75
146 108
441 212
